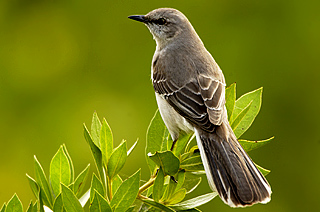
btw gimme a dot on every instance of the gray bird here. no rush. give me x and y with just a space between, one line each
190 93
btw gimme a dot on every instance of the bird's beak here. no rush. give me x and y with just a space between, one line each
140 18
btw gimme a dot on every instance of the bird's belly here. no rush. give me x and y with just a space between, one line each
173 120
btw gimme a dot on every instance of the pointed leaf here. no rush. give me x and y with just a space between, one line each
70 201
41 200
230 99
167 161
193 163
116 182
126 193
240 118
30 207
194 202
64 148
132 147
3 208
158 205
43 183
171 187
158 186
59 171
191 143
99 204
130 209
191 182
181 144
96 152
117 160
157 138
180 178
35 207
241 103
251 145
58 204
95 129
14 204
96 186
106 141
263 171
34 186
177 197
80 181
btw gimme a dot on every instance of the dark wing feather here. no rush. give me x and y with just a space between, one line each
200 101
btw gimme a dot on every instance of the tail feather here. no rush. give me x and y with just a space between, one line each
229 169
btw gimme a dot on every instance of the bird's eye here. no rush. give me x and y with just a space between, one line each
161 21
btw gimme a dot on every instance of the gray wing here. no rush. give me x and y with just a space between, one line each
201 100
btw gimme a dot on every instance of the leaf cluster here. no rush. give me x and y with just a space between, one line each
174 174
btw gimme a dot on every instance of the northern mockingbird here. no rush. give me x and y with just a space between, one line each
190 93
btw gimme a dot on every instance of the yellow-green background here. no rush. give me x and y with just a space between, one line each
61 60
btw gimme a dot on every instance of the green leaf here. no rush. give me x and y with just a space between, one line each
3 208
106 141
193 163
59 171
194 202
180 178
96 152
158 205
64 148
171 187
132 147
95 129
130 209
126 193
14 204
167 161
263 171
34 186
240 118
251 145
191 144
70 201
41 199
181 144
116 182
158 186
58 204
43 183
230 99
191 182
99 204
30 207
35 207
241 103
177 197
96 186
157 138
80 181
117 160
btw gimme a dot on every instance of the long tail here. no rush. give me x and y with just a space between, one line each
229 169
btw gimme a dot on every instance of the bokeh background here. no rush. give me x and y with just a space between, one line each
62 60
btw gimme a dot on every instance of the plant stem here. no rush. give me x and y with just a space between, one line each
110 188
146 185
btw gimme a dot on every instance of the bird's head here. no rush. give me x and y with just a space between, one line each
165 24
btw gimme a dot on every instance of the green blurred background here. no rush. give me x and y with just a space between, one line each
61 60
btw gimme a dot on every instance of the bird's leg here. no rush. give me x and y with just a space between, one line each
173 143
